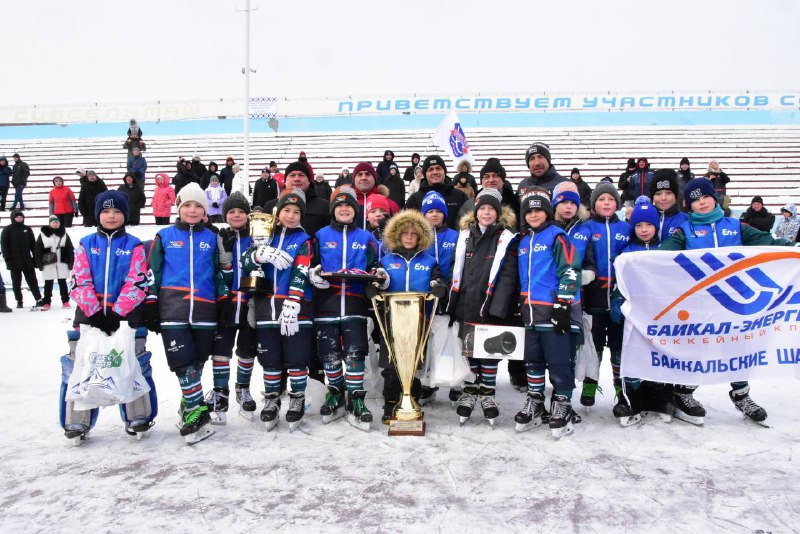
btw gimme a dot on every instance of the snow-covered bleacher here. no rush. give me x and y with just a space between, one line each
761 160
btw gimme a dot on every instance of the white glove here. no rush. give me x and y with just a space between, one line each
384 285
267 254
316 280
587 277
288 318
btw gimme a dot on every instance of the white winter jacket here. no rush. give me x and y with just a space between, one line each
60 243
241 183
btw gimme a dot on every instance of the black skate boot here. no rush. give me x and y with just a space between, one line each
626 410
195 426
217 401
296 411
531 414
741 399
454 395
588 392
334 405
247 405
270 414
655 398
427 395
358 414
562 416
687 408
466 403
388 411
489 405
4 304
138 426
77 433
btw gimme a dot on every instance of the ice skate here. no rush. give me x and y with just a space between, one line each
270 414
138 427
752 411
454 395
358 414
489 405
625 410
687 408
333 408
247 405
588 392
196 426
77 433
297 408
388 411
531 414
466 403
655 399
39 306
427 396
562 417
217 401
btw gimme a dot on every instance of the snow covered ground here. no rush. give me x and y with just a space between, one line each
729 476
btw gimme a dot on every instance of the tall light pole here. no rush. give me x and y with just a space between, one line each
246 71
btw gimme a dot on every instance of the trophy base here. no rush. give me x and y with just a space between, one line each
406 428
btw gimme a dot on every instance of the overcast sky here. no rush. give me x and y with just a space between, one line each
100 50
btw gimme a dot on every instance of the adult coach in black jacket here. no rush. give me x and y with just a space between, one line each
435 179
317 212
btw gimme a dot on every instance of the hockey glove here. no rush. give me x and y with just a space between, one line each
438 289
151 317
560 316
267 254
107 323
225 311
288 318
383 284
616 309
316 280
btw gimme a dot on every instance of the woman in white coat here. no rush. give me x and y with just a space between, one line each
54 256
241 182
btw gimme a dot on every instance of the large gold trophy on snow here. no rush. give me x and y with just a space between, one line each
261 227
405 322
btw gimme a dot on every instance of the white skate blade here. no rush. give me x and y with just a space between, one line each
462 419
269 425
202 433
524 427
762 424
250 416
218 418
689 418
294 425
492 421
364 427
338 414
630 420
665 417
140 436
563 431
77 441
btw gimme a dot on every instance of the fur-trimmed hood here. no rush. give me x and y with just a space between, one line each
507 218
391 234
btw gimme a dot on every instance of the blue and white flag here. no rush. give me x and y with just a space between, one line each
450 137
711 315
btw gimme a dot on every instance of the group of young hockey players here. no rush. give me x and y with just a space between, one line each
540 262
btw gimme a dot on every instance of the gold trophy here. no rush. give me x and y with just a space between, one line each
405 323
261 228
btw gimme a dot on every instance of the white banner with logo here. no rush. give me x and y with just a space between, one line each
712 315
450 137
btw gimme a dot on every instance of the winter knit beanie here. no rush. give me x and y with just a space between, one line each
434 201
297 166
113 199
537 148
377 201
491 197
344 195
536 198
685 160
293 196
757 199
664 179
605 187
235 200
564 191
192 192
643 211
697 188
433 160
365 166
493 165
53 218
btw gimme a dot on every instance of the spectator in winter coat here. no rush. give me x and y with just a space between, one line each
720 181
226 175
216 196
17 245
364 179
413 187
91 186
136 198
685 174
465 171
344 178
241 182
5 181
624 179
493 176
184 176
317 214
54 239
62 202
639 181
758 216
198 168
163 200
435 179
19 179
396 185
134 139
322 186
789 225
205 180
277 175
266 188
543 173
137 166
382 172
409 174
584 190
462 184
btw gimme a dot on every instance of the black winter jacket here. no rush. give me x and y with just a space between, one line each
452 197
317 214
18 244
86 199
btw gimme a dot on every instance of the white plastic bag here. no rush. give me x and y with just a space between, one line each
448 365
586 363
106 370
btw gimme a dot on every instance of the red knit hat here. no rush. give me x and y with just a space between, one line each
365 166
375 201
